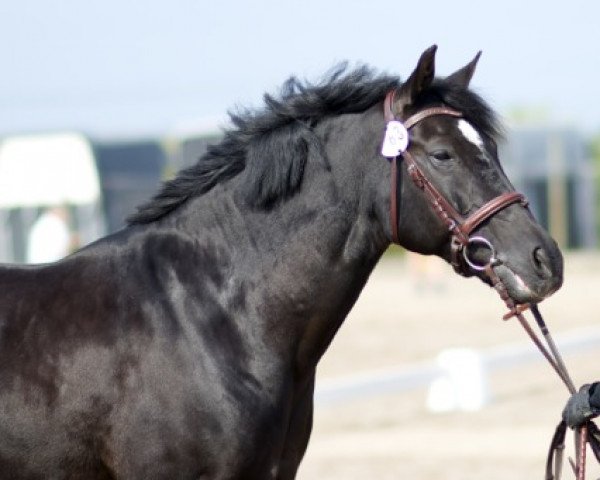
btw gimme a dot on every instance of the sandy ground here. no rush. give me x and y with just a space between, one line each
408 313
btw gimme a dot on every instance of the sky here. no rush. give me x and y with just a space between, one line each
118 67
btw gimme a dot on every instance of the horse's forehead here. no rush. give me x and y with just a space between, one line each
446 126
470 133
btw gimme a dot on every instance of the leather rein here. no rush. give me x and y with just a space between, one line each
460 229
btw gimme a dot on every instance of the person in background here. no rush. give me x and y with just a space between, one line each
50 236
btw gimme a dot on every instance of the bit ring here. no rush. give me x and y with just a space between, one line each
481 241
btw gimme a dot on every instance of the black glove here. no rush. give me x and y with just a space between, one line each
595 395
582 406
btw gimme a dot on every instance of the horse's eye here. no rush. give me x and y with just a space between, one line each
441 155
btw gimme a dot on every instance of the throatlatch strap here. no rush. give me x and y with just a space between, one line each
394 201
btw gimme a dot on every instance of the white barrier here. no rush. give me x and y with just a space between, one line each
463 384
419 375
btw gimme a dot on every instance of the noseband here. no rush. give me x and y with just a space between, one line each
460 228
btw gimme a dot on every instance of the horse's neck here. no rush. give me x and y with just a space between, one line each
307 281
313 255
303 262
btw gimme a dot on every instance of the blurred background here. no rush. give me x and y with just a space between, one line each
101 101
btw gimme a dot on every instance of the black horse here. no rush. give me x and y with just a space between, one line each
185 345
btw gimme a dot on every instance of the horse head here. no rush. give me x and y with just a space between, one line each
452 137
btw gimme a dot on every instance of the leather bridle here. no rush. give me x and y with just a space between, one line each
460 228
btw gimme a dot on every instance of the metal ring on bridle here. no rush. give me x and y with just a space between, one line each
479 241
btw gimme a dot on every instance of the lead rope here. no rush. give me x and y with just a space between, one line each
552 355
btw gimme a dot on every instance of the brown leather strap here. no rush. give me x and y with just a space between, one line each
491 208
443 209
388 112
429 112
388 106
555 452
456 223
394 201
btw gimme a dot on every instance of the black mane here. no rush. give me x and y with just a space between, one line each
283 130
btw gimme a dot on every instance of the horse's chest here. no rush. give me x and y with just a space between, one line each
247 436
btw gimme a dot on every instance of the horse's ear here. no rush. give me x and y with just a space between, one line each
463 76
421 78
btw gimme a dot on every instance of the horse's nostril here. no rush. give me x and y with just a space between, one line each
542 263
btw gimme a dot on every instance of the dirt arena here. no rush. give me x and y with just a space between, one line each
410 311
